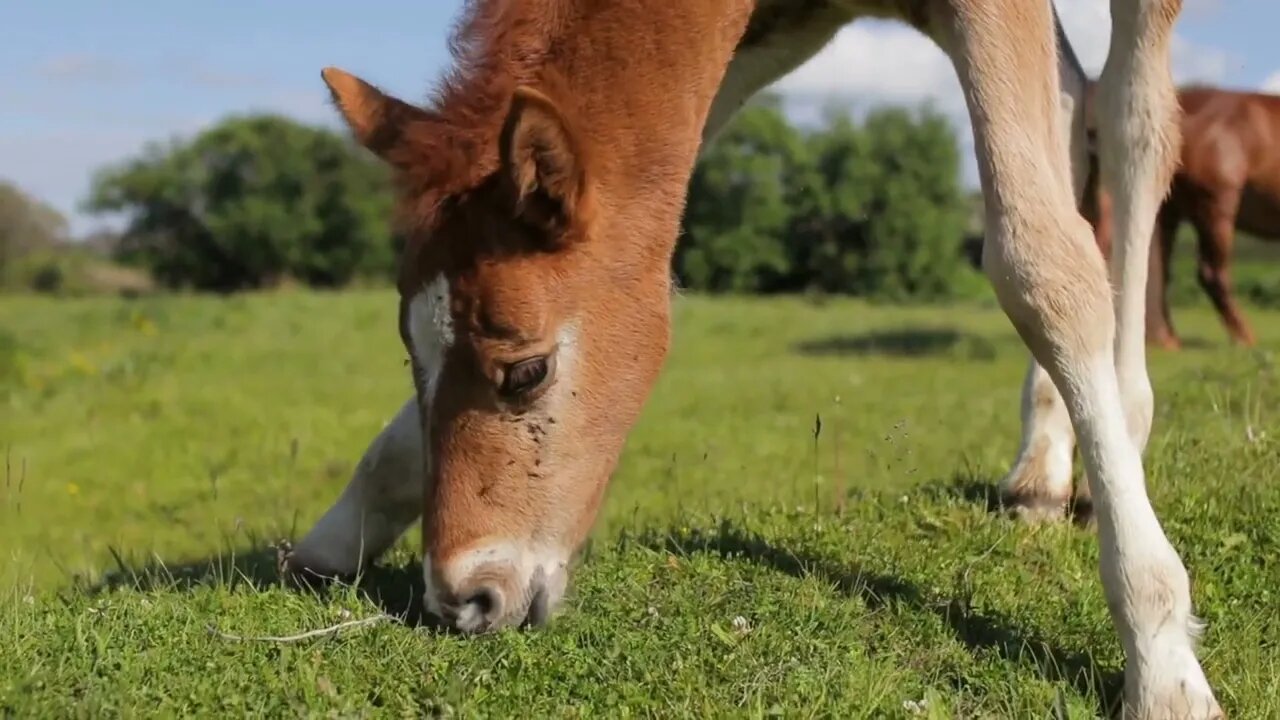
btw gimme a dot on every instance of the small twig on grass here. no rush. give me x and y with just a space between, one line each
322 632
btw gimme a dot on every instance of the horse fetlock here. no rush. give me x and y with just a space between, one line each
304 570
1170 684
1163 338
1038 488
1241 334
1163 677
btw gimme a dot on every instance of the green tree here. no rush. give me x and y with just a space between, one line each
829 255
872 209
919 215
249 202
898 211
741 205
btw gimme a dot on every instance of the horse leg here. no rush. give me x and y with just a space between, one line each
383 498
1038 484
1160 330
1215 233
1157 312
1146 584
1052 283
1159 324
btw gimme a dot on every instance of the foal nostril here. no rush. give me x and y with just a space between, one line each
487 601
480 610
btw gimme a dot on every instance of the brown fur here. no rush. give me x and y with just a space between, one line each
1228 177
542 192
497 196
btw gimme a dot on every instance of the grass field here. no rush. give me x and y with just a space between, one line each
742 567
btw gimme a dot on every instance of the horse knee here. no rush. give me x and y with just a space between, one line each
1052 282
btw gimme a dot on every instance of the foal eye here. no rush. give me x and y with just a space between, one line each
524 376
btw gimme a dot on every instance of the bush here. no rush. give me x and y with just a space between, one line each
742 202
874 209
250 203
47 278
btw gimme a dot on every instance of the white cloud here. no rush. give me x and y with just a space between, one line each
1272 83
875 63
1088 27
1198 63
867 64
879 62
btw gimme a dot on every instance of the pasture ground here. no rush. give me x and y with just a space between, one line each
742 567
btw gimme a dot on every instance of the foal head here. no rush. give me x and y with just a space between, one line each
535 316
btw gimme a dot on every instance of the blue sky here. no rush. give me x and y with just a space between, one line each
89 83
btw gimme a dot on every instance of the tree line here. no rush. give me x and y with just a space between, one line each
870 207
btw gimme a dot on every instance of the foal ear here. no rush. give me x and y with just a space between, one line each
541 158
377 120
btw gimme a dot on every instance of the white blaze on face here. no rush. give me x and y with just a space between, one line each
538 569
565 380
431 333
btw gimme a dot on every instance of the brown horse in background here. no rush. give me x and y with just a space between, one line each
1228 178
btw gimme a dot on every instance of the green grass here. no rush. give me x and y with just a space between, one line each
156 448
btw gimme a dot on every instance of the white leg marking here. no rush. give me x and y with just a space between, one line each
1057 294
1039 484
1131 164
430 595
1146 584
382 500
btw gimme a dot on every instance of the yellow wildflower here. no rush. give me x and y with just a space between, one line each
82 364
144 325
